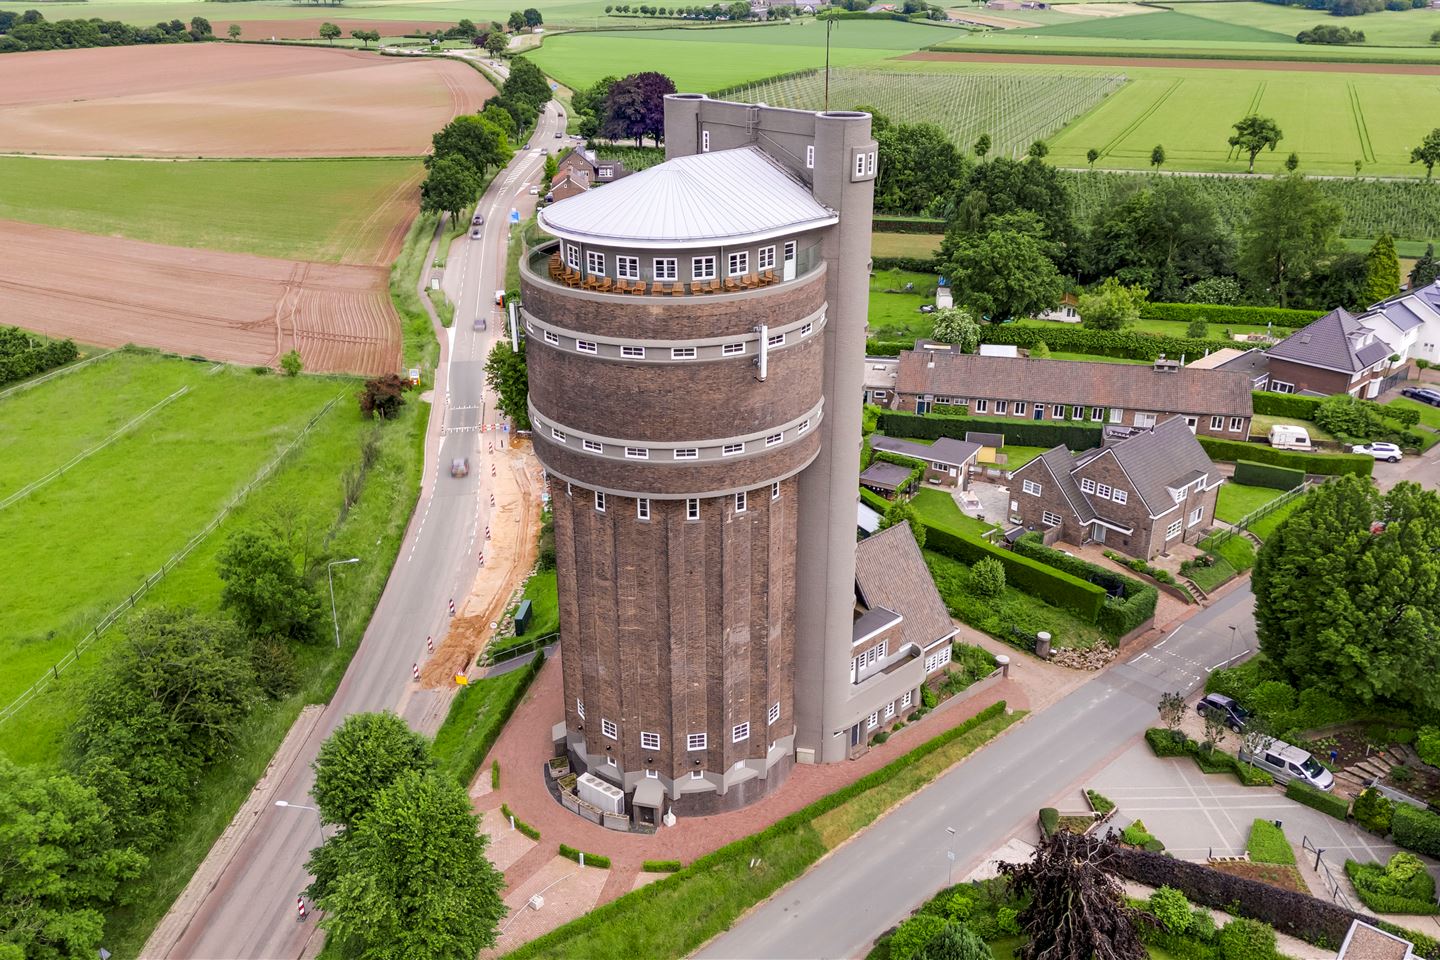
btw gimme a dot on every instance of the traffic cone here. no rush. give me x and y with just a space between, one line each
415 671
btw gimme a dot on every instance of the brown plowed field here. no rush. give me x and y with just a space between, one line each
310 29
224 306
1303 66
229 100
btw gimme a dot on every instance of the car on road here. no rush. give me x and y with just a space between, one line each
534 191
460 467
558 135
479 323
1285 763
1380 450
1423 394
1234 714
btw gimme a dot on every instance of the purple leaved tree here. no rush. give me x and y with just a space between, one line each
636 107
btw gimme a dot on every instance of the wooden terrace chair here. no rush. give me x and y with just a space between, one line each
622 285
658 289
677 290
605 285
637 287
731 285
696 287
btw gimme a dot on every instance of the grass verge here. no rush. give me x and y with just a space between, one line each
477 715
672 917
1237 501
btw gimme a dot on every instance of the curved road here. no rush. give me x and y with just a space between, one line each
249 910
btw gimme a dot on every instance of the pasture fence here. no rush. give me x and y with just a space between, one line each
121 608
61 371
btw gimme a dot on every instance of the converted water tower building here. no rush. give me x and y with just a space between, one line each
695 340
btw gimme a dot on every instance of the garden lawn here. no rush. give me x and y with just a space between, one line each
1429 416
1092 358
1265 527
895 314
706 60
544 610
1013 608
297 209
1017 456
1237 500
474 713
921 245
937 508
80 544
1261 423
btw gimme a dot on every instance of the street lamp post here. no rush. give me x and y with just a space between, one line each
950 856
300 806
1233 631
335 617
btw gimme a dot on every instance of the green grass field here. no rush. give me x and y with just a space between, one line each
1160 26
83 542
1237 500
1261 423
937 508
709 59
905 244
300 209
564 13
896 315
1429 416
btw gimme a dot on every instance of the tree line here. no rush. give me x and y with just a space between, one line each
1353 8
31 31
619 108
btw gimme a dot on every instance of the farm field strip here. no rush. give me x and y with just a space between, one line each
223 306
377 13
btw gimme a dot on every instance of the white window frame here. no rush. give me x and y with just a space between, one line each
1103 490
1097 414
873 721
1051 519
1120 496
732 449
775 340
608 728
775 490
774 438
742 502
552 338
649 741
642 508
572 255
738 263
586 346
938 659
1057 411
633 352
860 172
1077 412
651 773
704 141
665 268
890 710
1116 414
593 446
982 406
810 156
702 268
692 508
773 714
595 263
765 258
804 425
687 453
599 501
1002 407
694 741
1032 488
1196 515
1087 485
1237 424
682 353
906 700
732 350
697 774
1173 531
791 250
580 708
1217 423
558 436
637 453
627 267
1019 410
870 163
806 330
740 732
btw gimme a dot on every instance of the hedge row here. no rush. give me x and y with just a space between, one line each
1055 587
1165 744
1324 464
912 264
874 501
916 468
1284 404
23 356
1369 882
1017 430
1253 474
1118 616
1106 343
520 825
1328 803
1416 829
1221 315
890 223
591 859
746 848
660 866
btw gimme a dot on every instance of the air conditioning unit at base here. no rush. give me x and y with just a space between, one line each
599 794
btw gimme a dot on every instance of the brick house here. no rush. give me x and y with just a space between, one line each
1212 402
1337 353
1140 495
566 185
947 461
577 161
900 623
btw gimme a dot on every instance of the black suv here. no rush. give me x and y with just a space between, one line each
1235 715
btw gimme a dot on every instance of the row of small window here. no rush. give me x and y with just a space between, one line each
694 741
680 453
1236 423
677 353
668 268
1196 515
903 703
1103 490
692 505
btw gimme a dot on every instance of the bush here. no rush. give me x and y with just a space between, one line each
1202 925
1268 844
1374 811
1427 745
987 577
1222 315
1323 464
1118 615
1416 829
591 859
1163 743
1171 908
913 265
880 738
1049 821
660 866
495 775
910 939
1284 404
1129 345
1401 886
1253 474
1029 433
1054 586
1245 939
1100 803
22 355
1329 803
520 825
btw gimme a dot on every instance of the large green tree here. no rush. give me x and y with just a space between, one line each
1292 230
1004 188
1382 271
1347 594
60 865
1111 306
475 137
1002 274
953 325
1426 269
362 757
1163 237
450 187
507 375
1428 152
588 104
414 883
918 163
265 590
1253 134
526 84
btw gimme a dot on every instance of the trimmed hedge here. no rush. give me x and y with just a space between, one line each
660 866
1222 315
874 501
747 847
520 825
1049 821
1118 616
1324 464
1267 844
1370 882
591 859
1328 803
914 265
1416 829
1106 343
1284 404
1055 587
893 223
1163 744
1253 474
1017 430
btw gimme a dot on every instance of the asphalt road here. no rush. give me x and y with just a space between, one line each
874 881
249 912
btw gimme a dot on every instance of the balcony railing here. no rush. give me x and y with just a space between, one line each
545 262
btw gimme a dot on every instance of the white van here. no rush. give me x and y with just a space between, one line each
1285 763
1286 437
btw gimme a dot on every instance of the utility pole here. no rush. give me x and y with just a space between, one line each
829 25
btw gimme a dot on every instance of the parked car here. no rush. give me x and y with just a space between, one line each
460 467
1380 451
1423 394
1234 714
1285 763
534 191
1285 436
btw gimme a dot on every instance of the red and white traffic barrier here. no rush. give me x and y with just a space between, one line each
492 446
482 559
492 499
492 469
487 533
415 671
452 607
430 644
300 909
